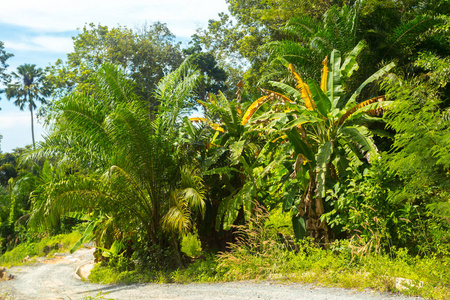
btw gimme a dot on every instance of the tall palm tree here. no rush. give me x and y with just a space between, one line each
28 89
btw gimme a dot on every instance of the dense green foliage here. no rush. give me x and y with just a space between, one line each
4 77
46 246
124 172
349 147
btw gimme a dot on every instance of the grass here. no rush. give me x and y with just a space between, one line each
201 270
426 277
259 255
99 296
45 247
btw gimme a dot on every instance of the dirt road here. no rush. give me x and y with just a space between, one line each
56 279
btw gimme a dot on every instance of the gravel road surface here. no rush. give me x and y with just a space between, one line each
56 279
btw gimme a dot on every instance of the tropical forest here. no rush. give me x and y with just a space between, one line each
295 141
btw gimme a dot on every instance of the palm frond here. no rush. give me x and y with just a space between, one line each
408 34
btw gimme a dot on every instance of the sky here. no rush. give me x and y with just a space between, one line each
40 32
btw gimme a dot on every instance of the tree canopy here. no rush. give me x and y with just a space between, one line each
4 77
146 55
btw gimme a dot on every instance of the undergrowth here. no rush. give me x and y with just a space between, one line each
259 254
27 252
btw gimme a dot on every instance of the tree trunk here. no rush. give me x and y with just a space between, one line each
312 209
177 252
32 125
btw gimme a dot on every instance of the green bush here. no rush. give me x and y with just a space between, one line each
376 214
191 245
45 247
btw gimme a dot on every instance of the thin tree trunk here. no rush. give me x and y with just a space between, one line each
32 125
177 252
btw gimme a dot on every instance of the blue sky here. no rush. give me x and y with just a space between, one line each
39 32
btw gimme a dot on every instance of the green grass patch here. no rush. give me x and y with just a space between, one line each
200 270
427 277
413 276
260 254
45 247
110 275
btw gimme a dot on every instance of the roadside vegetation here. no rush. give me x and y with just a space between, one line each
27 252
321 153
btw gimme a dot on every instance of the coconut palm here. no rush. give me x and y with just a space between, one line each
28 89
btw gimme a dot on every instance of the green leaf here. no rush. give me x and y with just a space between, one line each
323 104
299 145
299 225
222 170
287 89
236 150
334 78
360 136
116 247
279 159
232 211
342 163
323 158
350 64
378 74
382 133
212 159
46 174
302 119
249 193
289 195
87 236
189 127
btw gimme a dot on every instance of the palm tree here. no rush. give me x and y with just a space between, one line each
392 36
28 88
309 40
128 180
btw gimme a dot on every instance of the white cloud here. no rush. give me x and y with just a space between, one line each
14 120
54 44
15 128
42 43
181 16
24 46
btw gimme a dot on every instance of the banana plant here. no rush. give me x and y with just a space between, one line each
239 157
325 128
